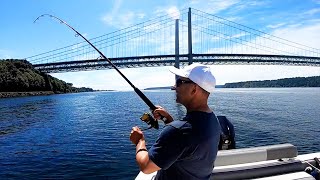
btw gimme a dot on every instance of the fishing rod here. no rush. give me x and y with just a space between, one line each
145 117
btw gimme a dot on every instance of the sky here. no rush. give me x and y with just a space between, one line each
294 20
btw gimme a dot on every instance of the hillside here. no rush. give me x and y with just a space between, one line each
313 81
20 76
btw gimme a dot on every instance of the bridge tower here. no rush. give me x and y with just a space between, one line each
190 57
189 38
177 60
151 43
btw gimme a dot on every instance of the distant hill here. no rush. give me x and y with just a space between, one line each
313 81
155 88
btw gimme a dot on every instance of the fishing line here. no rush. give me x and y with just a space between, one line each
152 122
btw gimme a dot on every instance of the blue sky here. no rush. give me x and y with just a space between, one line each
294 20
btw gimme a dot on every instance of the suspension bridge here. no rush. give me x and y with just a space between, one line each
179 39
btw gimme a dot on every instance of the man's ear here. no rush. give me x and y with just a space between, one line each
194 89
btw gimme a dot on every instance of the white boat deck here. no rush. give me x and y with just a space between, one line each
262 163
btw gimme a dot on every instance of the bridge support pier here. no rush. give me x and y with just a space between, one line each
177 58
190 58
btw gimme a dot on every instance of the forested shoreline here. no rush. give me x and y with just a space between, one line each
19 78
313 81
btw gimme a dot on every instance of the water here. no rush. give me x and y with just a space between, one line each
86 135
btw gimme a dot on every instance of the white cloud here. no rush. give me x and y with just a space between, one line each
274 26
316 1
212 6
233 40
141 15
193 2
122 20
312 12
220 5
116 6
307 35
239 35
119 19
173 12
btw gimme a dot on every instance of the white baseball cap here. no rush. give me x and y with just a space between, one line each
199 74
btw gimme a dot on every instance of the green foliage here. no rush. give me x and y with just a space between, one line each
20 76
84 89
313 81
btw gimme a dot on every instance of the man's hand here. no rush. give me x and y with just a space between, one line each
136 135
161 112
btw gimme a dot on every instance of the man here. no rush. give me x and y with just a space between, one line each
187 148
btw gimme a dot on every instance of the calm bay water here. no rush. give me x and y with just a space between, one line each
86 135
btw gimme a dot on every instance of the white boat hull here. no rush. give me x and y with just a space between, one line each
265 163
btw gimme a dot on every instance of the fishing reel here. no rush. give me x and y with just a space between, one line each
147 118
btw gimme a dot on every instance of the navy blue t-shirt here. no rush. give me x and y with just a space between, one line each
187 149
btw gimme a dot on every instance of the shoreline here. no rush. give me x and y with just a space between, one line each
23 94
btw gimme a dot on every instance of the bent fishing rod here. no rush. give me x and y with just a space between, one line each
146 117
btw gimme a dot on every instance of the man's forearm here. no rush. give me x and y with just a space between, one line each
145 164
141 145
142 154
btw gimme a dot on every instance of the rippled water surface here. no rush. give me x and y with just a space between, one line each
86 135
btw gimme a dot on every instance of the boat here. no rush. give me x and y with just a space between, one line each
271 162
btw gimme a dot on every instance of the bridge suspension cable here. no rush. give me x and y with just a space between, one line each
214 40
150 37
240 39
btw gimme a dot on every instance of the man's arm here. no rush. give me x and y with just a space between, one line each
145 164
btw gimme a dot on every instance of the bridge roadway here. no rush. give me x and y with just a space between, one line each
169 60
